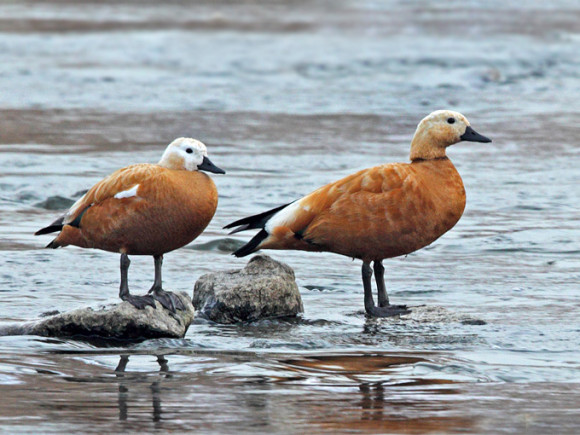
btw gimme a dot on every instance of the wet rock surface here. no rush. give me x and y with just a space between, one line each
120 321
265 288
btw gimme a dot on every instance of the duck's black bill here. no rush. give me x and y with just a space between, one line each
471 135
207 165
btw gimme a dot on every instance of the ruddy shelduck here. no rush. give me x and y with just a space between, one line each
377 213
145 209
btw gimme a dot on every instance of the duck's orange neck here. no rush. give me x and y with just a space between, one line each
424 148
172 161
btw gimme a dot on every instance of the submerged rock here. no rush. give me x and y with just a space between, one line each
225 245
435 314
265 288
119 321
55 203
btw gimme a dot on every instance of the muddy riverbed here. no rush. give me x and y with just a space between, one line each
289 96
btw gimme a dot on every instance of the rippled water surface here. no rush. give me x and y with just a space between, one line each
289 96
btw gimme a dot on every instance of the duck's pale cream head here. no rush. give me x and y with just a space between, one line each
188 154
440 129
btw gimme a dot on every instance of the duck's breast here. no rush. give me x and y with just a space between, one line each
434 203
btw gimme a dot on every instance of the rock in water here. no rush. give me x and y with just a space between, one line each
55 203
265 288
119 321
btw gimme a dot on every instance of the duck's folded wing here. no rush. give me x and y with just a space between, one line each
123 183
356 204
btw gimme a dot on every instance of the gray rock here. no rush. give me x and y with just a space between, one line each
265 288
120 321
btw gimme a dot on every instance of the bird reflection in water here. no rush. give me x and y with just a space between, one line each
373 401
393 404
155 387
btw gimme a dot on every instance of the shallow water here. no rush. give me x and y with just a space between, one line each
289 97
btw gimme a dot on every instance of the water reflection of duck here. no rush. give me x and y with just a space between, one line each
145 209
155 390
377 213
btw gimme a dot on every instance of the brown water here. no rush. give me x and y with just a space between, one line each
289 96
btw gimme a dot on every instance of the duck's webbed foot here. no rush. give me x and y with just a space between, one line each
388 311
167 299
139 302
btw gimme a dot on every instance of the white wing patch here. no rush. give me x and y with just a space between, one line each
128 193
284 217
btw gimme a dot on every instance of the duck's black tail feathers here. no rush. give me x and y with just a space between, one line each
250 223
251 246
48 230
253 222
52 228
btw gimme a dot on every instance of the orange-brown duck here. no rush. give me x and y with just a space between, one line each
145 209
377 213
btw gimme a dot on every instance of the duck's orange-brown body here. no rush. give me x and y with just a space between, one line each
376 213
168 209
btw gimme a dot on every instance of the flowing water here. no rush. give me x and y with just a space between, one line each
289 96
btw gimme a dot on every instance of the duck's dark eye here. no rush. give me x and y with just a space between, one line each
451 120
189 151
